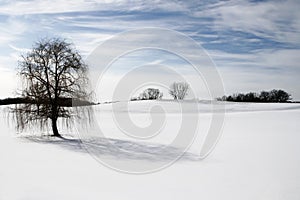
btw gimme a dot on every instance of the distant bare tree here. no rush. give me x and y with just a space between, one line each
52 71
178 90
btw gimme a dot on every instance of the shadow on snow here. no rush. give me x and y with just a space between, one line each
118 149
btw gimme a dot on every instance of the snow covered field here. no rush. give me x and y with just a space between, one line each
257 158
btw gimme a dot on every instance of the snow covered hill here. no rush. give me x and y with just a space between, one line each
257 157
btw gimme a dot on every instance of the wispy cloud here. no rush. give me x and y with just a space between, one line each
253 43
274 20
21 7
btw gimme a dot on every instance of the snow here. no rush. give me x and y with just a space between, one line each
257 157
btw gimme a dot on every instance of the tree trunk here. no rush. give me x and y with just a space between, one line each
54 128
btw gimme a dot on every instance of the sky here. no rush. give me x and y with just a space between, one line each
255 45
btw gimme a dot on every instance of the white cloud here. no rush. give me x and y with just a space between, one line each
57 6
43 6
10 30
276 20
282 59
18 49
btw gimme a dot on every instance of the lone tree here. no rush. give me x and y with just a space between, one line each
52 72
178 90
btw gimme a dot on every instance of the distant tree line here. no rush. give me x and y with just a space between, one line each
264 96
64 102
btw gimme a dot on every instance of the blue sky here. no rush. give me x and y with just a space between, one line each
254 44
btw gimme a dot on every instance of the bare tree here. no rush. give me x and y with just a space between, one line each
178 90
51 72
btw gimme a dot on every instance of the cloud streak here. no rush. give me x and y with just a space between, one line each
251 42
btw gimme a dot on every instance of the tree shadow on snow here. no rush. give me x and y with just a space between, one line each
118 149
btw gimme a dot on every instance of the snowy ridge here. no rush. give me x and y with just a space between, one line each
172 106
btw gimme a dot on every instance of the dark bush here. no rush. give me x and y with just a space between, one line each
150 94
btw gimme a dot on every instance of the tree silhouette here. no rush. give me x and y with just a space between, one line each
264 96
150 94
51 72
279 96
